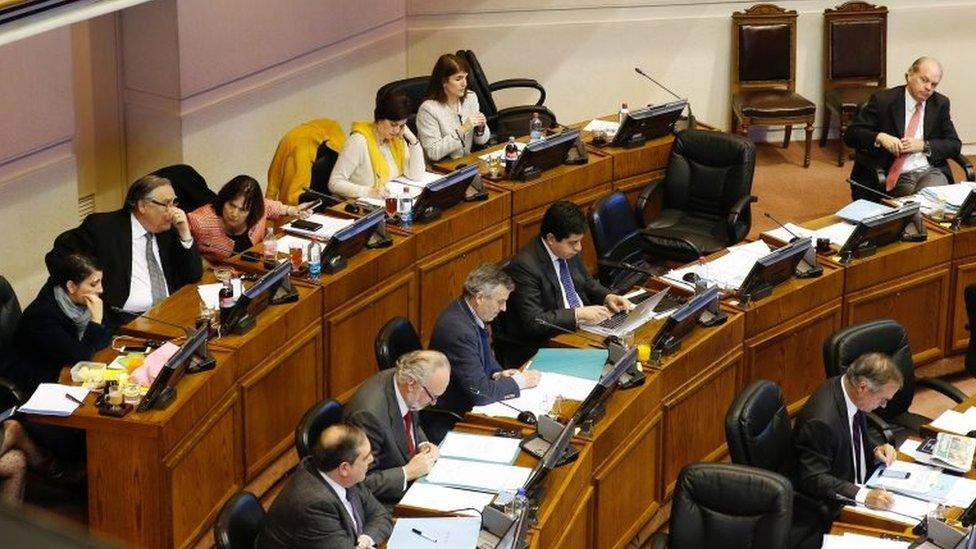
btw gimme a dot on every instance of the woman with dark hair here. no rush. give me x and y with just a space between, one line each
237 219
378 151
450 120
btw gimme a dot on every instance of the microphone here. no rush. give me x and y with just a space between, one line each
525 416
691 117
122 311
876 192
782 226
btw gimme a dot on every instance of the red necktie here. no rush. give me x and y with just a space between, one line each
895 171
408 427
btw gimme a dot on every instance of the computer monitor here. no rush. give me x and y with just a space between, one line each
965 213
274 284
350 240
647 123
193 354
444 193
882 229
774 268
683 320
608 382
544 155
552 458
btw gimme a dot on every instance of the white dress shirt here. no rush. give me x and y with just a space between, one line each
851 410
555 266
140 288
341 492
914 161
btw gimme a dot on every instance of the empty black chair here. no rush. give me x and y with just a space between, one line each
894 422
325 160
728 506
509 121
759 434
239 522
970 297
706 202
190 187
316 419
394 339
415 88
617 238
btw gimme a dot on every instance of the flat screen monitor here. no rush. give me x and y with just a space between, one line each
552 456
775 267
648 123
274 284
882 229
683 320
544 154
162 391
445 193
966 211
608 382
350 240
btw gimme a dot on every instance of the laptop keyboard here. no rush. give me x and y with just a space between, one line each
669 302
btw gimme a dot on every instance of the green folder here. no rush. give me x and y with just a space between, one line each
582 363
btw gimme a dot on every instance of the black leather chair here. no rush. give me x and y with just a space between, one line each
190 187
759 434
706 202
316 419
969 294
415 88
239 522
894 422
728 506
510 121
325 160
10 311
617 238
394 339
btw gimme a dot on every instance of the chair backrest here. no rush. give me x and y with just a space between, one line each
763 48
415 88
325 160
708 172
613 226
478 83
316 419
239 522
394 339
190 187
9 314
855 45
884 335
730 506
757 428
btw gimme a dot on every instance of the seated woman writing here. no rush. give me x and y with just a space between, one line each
378 151
450 120
238 219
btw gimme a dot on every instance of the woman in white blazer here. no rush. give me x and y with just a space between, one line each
450 120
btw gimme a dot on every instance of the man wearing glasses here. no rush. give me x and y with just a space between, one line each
145 248
385 406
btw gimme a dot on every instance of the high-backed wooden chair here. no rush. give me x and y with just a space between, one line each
855 57
764 73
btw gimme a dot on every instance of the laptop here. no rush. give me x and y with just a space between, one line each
623 323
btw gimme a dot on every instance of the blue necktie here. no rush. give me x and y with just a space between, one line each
572 298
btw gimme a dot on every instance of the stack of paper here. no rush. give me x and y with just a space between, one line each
608 127
400 186
330 226
860 209
479 476
955 422
423 533
952 195
474 447
923 481
727 271
422 495
788 232
539 399
914 508
54 399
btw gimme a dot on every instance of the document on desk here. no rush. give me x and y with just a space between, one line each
330 226
727 271
423 495
210 293
860 209
608 127
479 476
903 505
472 447
429 533
581 363
838 233
54 399
539 399
924 481
858 541
952 421
953 195
784 235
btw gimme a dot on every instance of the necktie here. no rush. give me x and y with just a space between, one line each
895 171
408 428
856 441
157 281
572 298
352 496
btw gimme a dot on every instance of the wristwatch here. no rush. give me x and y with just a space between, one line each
927 149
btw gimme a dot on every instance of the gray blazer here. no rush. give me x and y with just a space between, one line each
437 128
308 513
374 408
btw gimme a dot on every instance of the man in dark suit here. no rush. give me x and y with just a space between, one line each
145 249
386 407
553 292
835 453
907 130
461 333
324 504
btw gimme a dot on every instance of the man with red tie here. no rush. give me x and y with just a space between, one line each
385 406
908 131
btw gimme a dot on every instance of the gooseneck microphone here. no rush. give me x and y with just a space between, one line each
324 196
782 226
875 192
691 117
122 311
850 501
525 416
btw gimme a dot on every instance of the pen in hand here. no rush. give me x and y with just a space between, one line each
423 535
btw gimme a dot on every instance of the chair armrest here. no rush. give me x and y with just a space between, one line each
10 393
738 209
869 162
881 425
966 166
520 83
818 508
940 386
645 197
659 541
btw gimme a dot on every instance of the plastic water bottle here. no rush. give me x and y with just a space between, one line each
535 128
406 208
520 503
704 278
270 250
623 114
226 300
314 259
511 155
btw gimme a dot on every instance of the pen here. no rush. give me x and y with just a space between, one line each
423 535
71 397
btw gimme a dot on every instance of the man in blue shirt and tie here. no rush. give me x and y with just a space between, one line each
553 292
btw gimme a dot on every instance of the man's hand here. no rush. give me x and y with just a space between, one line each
429 447
364 542
592 314
909 145
617 303
886 453
891 143
419 465
178 219
532 378
95 306
879 499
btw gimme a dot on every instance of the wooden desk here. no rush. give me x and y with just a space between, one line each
963 273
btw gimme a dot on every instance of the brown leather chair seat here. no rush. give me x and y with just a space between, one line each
849 100
772 104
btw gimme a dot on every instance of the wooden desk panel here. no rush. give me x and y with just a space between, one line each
460 222
638 161
577 532
963 274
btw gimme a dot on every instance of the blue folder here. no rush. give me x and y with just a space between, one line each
582 363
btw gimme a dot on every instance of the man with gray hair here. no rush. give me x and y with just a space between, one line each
386 407
907 131
835 454
462 333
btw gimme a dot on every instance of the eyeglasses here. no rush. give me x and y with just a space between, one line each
430 396
174 203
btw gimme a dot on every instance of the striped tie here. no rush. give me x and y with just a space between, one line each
157 281
572 298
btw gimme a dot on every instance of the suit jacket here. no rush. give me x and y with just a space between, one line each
538 296
822 438
308 513
107 237
374 408
885 112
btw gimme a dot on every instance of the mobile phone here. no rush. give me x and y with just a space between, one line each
135 349
306 225
895 473
250 256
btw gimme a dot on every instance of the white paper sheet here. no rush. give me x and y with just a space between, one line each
210 293
597 125
954 195
50 399
956 422
539 399
838 233
921 480
434 533
859 209
477 475
783 235
423 495
479 447
727 271
962 493
285 243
